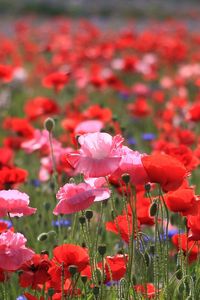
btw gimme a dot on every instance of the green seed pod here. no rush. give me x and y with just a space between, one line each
152 249
96 290
102 249
153 209
49 124
147 187
47 206
89 214
82 220
84 279
72 270
51 292
134 280
179 273
125 178
147 258
42 237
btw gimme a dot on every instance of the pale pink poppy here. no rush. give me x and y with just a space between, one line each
15 203
132 165
100 185
99 155
46 164
73 198
13 252
39 141
89 126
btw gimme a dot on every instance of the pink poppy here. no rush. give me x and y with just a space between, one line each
38 142
73 198
99 155
13 252
99 184
89 126
15 203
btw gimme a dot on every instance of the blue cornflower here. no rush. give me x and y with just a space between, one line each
148 136
131 141
62 223
21 297
35 182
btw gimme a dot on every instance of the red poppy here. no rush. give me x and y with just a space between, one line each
122 225
194 112
11 176
193 223
182 242
67 254
40 107
19 126
97 112
139 108
6 156
165 170
56 80
149 290
6 73
182 200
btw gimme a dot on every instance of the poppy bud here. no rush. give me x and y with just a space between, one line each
179 273
47 205
49 124
82 220
112 214
72 270
126 178
152 249
52 233
96 290
102 249
153 209
147 258
147 187
42 237
84 279
51 292
89 214
134 280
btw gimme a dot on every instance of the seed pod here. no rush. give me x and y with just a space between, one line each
82 220
147 258
49 124
125 178
89 214
51 292
96 290
102 249
179 273
153 209
72 270
84 279
147 187
42 237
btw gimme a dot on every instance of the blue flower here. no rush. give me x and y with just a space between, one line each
131 141
148 136
21 297
35 182
61 223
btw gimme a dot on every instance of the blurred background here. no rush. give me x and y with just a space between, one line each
104 8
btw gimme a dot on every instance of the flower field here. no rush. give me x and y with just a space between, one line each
99 161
